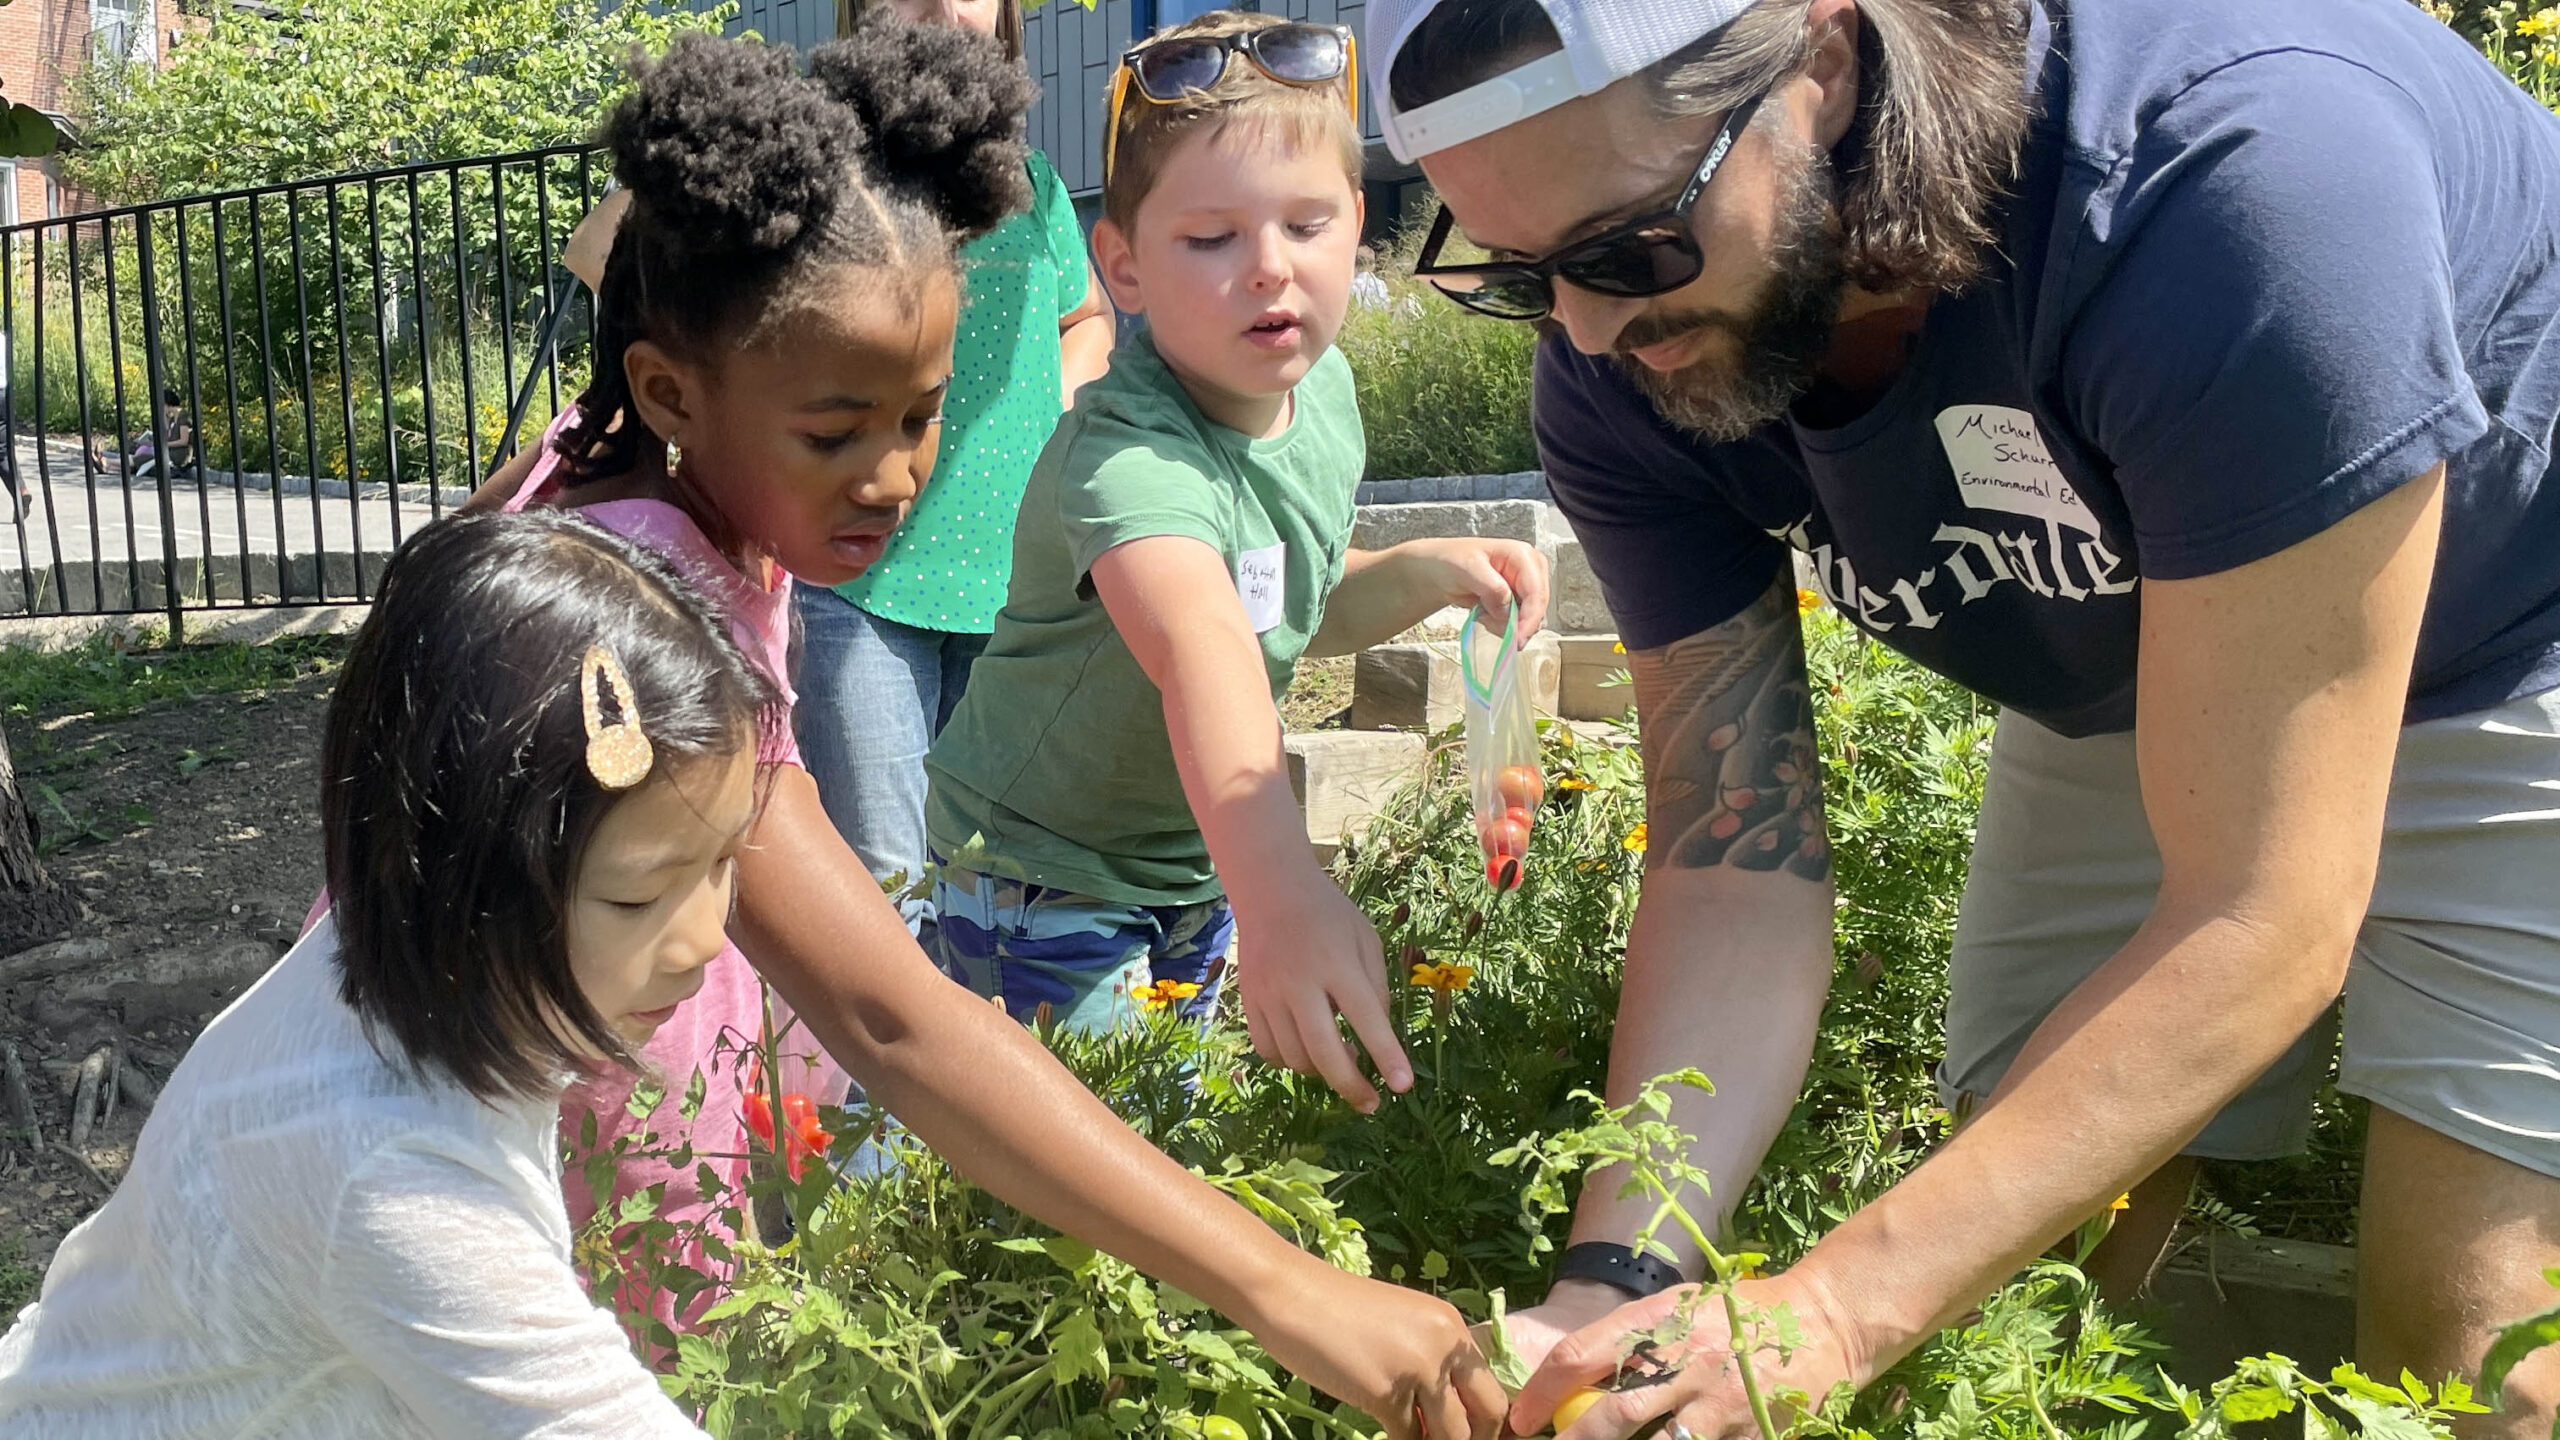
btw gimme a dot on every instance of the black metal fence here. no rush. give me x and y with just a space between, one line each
250 398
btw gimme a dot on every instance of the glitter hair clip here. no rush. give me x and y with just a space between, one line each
618 755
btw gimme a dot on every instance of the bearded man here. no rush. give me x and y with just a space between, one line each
2177 374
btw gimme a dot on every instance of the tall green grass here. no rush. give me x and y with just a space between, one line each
1442 391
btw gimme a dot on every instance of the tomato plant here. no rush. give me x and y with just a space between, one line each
914 1304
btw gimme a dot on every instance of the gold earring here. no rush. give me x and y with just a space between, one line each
675 455
618 754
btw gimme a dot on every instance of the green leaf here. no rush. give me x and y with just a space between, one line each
1495 1339
1076 1350
24 131
2254 1402
645 1098
2516 1342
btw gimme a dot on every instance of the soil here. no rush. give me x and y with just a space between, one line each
190 827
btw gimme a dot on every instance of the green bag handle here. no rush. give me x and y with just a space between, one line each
1481 690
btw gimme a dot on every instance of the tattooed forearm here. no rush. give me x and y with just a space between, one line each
1732 776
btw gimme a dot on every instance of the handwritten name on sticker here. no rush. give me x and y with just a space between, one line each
2001 463
1259 582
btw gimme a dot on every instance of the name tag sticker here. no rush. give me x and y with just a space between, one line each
2001 464
1259 582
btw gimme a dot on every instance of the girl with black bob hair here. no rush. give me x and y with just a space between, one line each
774 343
344 1215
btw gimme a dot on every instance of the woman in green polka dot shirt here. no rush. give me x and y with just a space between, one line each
884 658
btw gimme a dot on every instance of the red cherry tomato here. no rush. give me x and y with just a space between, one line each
1506 836
759 1117
798 1111
1521 786
1502 872
1524 818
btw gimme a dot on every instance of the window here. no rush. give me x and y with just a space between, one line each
8 192
121 30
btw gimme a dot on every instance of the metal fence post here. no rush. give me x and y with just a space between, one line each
162 462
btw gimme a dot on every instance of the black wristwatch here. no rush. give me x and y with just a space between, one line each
1616 1265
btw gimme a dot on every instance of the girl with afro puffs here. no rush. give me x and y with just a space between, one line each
774 346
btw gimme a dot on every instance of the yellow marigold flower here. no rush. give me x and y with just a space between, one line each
1573 782
2121 1202
1447 979
1619 647
1807 600
1157 994
1635 839
2540 22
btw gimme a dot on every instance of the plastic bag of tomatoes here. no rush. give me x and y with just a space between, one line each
1502 748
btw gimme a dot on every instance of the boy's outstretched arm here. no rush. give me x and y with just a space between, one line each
1387 592
1313 954
990 1099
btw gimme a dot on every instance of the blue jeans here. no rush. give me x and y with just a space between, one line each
873 694
1094 963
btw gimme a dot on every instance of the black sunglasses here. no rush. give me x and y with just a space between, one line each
1649 255
1299 54
1166 71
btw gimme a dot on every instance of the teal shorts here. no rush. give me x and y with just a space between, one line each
2452 1005
1096 964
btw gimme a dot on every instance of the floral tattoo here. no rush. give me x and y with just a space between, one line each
1732 774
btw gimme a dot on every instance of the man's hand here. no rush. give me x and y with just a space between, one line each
1570 1305
1309 955
1705 1391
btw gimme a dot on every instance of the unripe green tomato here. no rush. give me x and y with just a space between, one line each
1219 1427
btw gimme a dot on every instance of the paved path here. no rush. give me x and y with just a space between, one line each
94 542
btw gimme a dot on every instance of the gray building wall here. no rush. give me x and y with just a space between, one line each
797 23
1072 52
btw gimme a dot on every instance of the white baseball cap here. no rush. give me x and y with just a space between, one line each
1605 41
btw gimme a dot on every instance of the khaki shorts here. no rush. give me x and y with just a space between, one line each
2452 1005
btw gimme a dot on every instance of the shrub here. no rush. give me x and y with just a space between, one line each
1442 392
914 1304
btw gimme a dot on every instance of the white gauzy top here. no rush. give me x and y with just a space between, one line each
314 1242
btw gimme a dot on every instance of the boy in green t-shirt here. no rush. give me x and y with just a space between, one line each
1114 772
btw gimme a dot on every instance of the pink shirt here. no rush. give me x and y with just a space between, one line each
709 1033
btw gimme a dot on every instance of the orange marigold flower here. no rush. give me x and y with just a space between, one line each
1635 839
1157 994
1807 600
1447 979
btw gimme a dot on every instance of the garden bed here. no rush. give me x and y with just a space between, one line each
186 823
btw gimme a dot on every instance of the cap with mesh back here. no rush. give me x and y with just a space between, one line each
1605 41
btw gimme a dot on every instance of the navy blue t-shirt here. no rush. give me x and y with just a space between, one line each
2264 263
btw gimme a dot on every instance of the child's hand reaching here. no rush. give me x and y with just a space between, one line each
1386 592
1491 574
1307 954
1402 1356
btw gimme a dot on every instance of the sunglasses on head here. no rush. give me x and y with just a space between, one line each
1168 70
1649 255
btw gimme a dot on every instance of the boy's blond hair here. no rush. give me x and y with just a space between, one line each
1305 117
